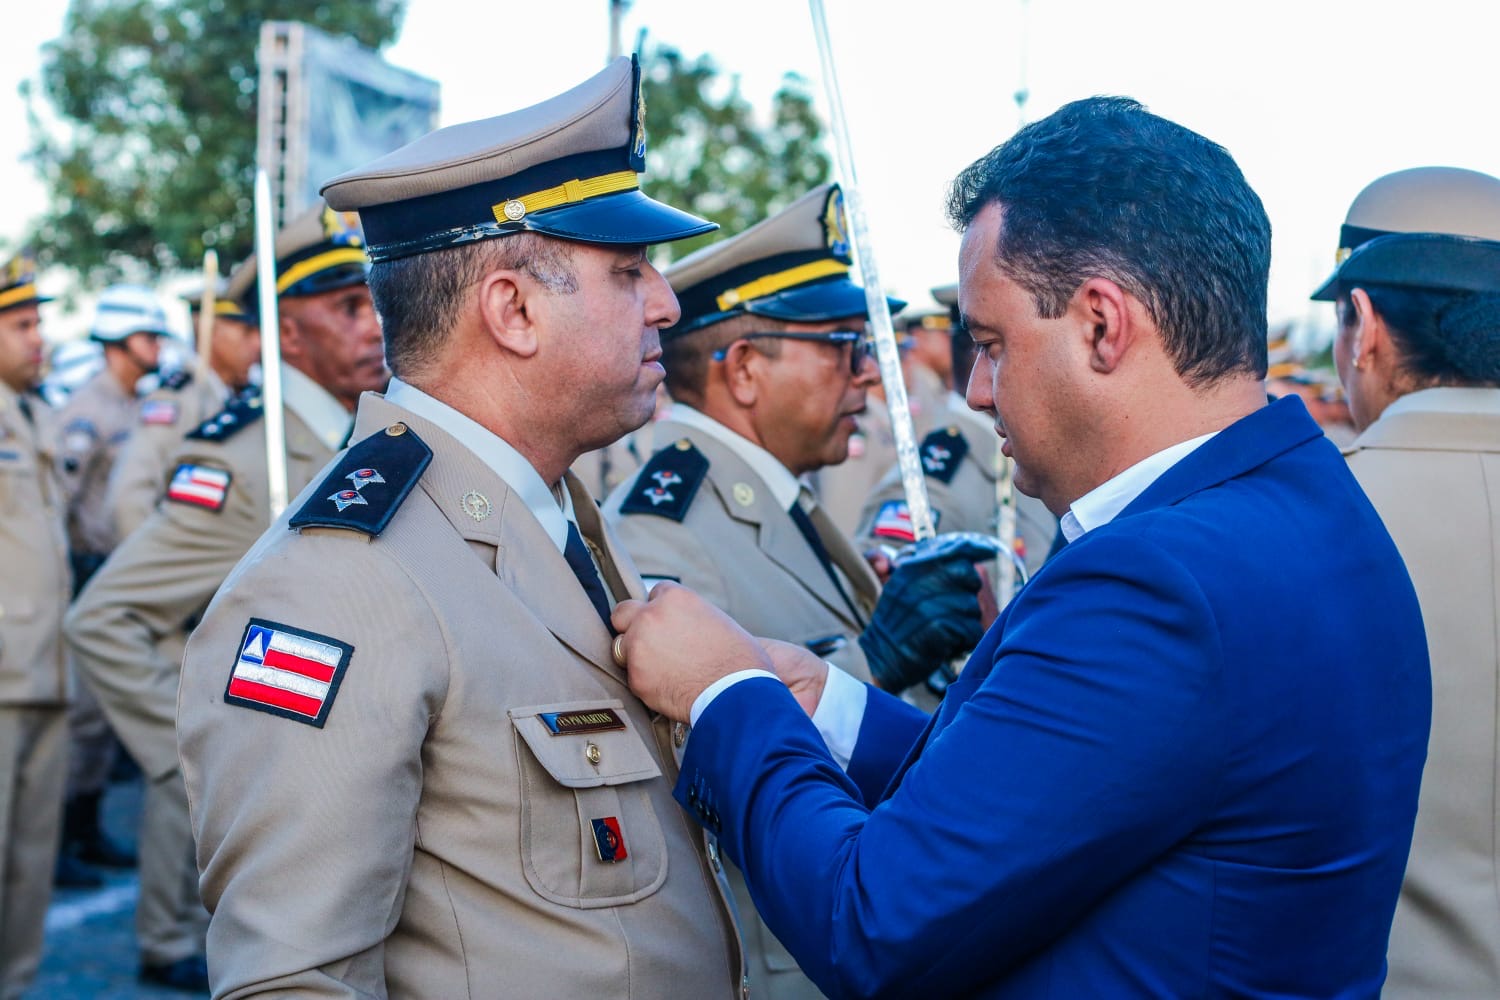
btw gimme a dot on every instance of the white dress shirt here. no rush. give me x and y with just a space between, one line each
554 511
324 415
841 710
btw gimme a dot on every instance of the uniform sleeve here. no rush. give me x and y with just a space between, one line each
159 578
1089 748
668 549
306 831
138 478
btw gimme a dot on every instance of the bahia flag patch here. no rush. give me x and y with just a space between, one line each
287 672
158 413
199 485
894 522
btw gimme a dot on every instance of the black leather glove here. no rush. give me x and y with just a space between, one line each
928 612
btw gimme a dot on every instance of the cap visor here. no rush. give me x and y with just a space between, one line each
627 217
817 303
1325 292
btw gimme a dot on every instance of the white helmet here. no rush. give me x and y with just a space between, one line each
127 309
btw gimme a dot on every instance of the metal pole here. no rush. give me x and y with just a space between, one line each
270 343
907 459
206 303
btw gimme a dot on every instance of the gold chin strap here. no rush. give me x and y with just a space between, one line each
319 262
566 193
20 293
780 281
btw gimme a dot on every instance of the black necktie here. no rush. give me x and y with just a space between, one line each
809 532
25 407
582 565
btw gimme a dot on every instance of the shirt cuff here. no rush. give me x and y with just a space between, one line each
701 703
839 714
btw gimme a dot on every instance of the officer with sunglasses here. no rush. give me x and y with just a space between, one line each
768 368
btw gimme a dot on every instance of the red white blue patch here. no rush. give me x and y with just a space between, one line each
287 672
199 485
159 412
609 842
894 522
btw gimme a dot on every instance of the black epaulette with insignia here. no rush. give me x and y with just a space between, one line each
942 453
668 483
369 484
178 380
240 412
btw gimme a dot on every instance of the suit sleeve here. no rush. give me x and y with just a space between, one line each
306 834
159 578
1088 749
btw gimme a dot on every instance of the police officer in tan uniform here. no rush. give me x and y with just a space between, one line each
184 400
960 461
1417 295
128 628
768 367
97 419
414 765
34 587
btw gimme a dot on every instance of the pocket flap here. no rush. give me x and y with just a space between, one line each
584 744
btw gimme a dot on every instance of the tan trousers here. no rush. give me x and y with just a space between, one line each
33 768
170 921
93 742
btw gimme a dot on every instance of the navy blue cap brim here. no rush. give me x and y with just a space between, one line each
1427 261
817 303
629 217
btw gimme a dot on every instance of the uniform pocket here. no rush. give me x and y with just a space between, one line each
590 836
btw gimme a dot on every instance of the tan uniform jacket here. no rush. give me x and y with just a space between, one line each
432 838
96 421
738 548
128 627
140 474
34 576
966 501
842 489
1432 471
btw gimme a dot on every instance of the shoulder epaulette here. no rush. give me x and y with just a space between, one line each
240 412
369 484
667 484
942 453
178 380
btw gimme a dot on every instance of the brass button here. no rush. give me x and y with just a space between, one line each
679 734
396 429
592 752
743 494
683 444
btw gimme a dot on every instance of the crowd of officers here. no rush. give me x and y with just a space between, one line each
414 770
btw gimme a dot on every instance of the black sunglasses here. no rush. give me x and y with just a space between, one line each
859 343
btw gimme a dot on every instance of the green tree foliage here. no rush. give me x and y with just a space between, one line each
708 154
146 143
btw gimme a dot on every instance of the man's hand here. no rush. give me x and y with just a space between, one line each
676 644
803 672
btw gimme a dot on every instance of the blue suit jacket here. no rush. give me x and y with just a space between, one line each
1183 763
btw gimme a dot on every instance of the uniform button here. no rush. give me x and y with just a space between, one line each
679 735
593 753
396 429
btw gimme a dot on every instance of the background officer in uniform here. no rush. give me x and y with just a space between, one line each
184 400
33 672
97 419
1418 349
414 764
768 367
128 628
34 588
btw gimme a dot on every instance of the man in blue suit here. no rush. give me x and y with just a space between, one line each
1167 770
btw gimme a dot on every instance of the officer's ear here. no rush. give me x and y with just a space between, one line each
507 301
1366 329
1111 327
742 368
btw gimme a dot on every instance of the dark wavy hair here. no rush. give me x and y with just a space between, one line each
1104 188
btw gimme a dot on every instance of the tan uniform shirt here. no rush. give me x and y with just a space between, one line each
967 500
140 474
433 838
34 582
129 626
96 421
739 548
1431 467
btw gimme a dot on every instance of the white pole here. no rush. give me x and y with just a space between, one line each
270 343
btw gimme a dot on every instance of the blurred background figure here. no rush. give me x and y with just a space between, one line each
33 673
1417 294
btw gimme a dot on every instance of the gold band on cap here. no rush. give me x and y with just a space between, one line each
319 262
781 280
20 293
566 193
223 307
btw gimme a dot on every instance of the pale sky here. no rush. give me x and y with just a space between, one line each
1313 98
